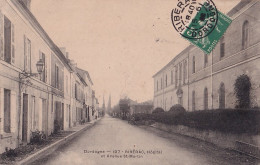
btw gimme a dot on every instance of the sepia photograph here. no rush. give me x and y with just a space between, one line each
130 82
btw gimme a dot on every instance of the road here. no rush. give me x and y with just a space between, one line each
114 137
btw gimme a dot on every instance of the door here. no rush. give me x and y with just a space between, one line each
62 117
25 118
44 117
69 117
57 123
7 111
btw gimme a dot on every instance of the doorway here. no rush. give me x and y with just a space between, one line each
25 118
44 117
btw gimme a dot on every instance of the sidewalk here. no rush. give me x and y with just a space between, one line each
207 149
77 130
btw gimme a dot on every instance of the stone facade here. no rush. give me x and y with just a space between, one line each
210 81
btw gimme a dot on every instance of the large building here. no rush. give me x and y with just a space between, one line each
199 81
40 88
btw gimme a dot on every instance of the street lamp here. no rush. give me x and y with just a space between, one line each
40 68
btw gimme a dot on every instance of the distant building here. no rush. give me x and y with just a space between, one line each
141 108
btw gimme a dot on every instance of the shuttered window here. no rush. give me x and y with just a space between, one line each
57 76
7 40
27 54
184 72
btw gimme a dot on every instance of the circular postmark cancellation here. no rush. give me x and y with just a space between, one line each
194 19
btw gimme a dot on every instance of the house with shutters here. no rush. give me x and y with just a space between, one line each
40 89
89 106
199 81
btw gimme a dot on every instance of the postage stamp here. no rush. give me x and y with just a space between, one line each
200 22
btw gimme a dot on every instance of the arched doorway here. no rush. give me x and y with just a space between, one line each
205 98
222 96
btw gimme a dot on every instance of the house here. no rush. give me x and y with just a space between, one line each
40 89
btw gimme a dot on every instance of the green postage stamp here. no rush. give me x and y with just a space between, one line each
200 22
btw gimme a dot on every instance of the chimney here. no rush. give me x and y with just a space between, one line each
63 50
67 55
27 3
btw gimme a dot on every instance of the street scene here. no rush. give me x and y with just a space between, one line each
173 82
156 148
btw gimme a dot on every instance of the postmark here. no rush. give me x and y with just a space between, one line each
200 22
194 19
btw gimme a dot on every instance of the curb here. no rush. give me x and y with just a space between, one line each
51 148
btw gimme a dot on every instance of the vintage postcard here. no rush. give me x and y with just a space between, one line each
130 82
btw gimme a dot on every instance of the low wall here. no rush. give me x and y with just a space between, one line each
9 141
242 142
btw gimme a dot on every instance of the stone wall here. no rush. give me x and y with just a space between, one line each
242 143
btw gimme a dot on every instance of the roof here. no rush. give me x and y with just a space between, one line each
174 59
238 7
82 72
33 21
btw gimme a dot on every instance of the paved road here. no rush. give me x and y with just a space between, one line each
117 138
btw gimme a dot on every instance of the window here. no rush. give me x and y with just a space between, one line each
34 117
27 54
43 75
176 76
222 47
205 60
180 74
76 91
161 83
245 35
222 97
57 76
205 98
7 111
157 86
66 83
9 49
193 100
193 64
67 113
184 72
166 80
172 77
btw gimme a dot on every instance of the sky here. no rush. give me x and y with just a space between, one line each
122 43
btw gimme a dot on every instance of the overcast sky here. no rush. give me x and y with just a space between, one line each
122 43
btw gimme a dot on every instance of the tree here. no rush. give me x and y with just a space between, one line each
242 89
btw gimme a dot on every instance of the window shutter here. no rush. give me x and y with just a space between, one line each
1 109
13 112
40 57
45 68
62 80
13 44
25 53
1 36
